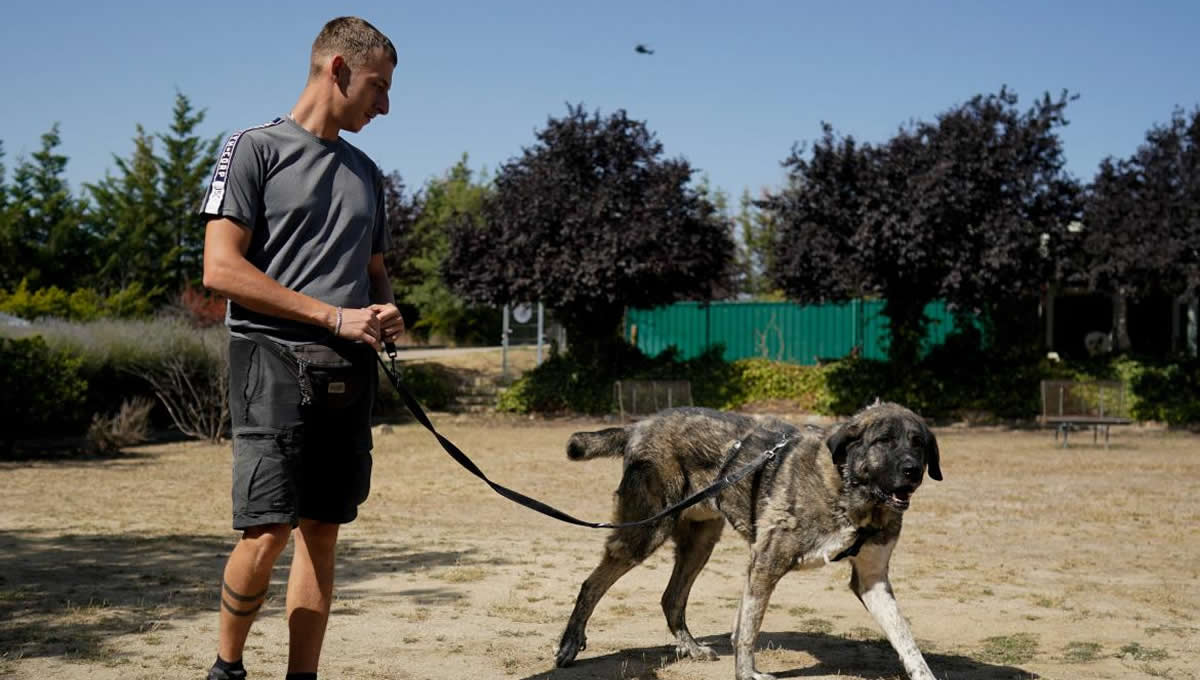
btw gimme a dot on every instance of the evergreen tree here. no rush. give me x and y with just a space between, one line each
756 233
47 243
184 168
136 246
3 183
146 213
8 247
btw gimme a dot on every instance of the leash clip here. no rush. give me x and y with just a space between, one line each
390 349
770 454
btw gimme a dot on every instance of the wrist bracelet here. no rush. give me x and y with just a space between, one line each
337 329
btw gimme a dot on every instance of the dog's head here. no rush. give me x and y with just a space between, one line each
884 450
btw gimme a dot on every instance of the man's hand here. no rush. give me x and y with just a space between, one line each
391 324
360 325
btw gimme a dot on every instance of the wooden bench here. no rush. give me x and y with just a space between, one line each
1098 404
644 397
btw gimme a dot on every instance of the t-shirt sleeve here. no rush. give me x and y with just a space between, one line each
381 238
236 188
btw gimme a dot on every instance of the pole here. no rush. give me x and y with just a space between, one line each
504 345
541 330
1192 323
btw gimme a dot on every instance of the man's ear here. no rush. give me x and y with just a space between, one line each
839 444
339 70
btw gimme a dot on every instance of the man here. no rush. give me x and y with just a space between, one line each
295 239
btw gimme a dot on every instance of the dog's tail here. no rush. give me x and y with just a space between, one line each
610 442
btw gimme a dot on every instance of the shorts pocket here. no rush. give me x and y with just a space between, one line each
264 471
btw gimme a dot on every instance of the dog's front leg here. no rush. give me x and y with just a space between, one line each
766 568
869 581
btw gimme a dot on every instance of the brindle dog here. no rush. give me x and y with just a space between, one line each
824 496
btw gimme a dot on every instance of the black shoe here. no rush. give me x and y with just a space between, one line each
215 673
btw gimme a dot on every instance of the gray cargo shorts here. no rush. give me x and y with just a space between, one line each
301 443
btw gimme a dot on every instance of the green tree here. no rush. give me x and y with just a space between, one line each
733 284
146 213
45 237
756 231
3 184
420 244
8 248
972 209
184 167
591 219
1141 221
127 214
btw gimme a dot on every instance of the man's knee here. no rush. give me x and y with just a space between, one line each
267 541
319 535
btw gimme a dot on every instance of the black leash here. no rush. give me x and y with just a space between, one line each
414 407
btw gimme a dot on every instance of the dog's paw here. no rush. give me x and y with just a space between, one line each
697 652
757 676
568 649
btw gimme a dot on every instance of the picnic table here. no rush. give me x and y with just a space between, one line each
1095 404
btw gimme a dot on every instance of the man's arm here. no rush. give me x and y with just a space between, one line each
228 272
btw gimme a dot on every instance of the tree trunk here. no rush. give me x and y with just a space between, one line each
593 336
1121 323
906 326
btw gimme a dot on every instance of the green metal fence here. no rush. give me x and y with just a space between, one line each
781 331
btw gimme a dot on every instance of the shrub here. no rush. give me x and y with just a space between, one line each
201 307
763 380
83 304
559 384
183 369
45 302
563 384
1166 392
37 383
191 380
128 426
433 385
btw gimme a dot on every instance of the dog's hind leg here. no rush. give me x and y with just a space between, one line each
640 495
601 579
694 543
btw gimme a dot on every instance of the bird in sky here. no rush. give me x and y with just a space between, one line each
642 49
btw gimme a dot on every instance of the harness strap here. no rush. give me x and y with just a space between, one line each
863 535
415 409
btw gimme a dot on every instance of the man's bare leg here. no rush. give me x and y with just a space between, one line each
310 593
246 578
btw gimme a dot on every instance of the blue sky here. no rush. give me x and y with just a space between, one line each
731 86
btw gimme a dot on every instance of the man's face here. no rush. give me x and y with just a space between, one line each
365 91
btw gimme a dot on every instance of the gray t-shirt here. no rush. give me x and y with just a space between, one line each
316 212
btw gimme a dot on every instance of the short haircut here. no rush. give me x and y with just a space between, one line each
351 37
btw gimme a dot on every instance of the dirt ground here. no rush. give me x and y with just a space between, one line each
1026 562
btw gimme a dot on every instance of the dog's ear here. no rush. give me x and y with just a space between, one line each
839 443
933 458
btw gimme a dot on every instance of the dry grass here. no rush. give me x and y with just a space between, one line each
1027 561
